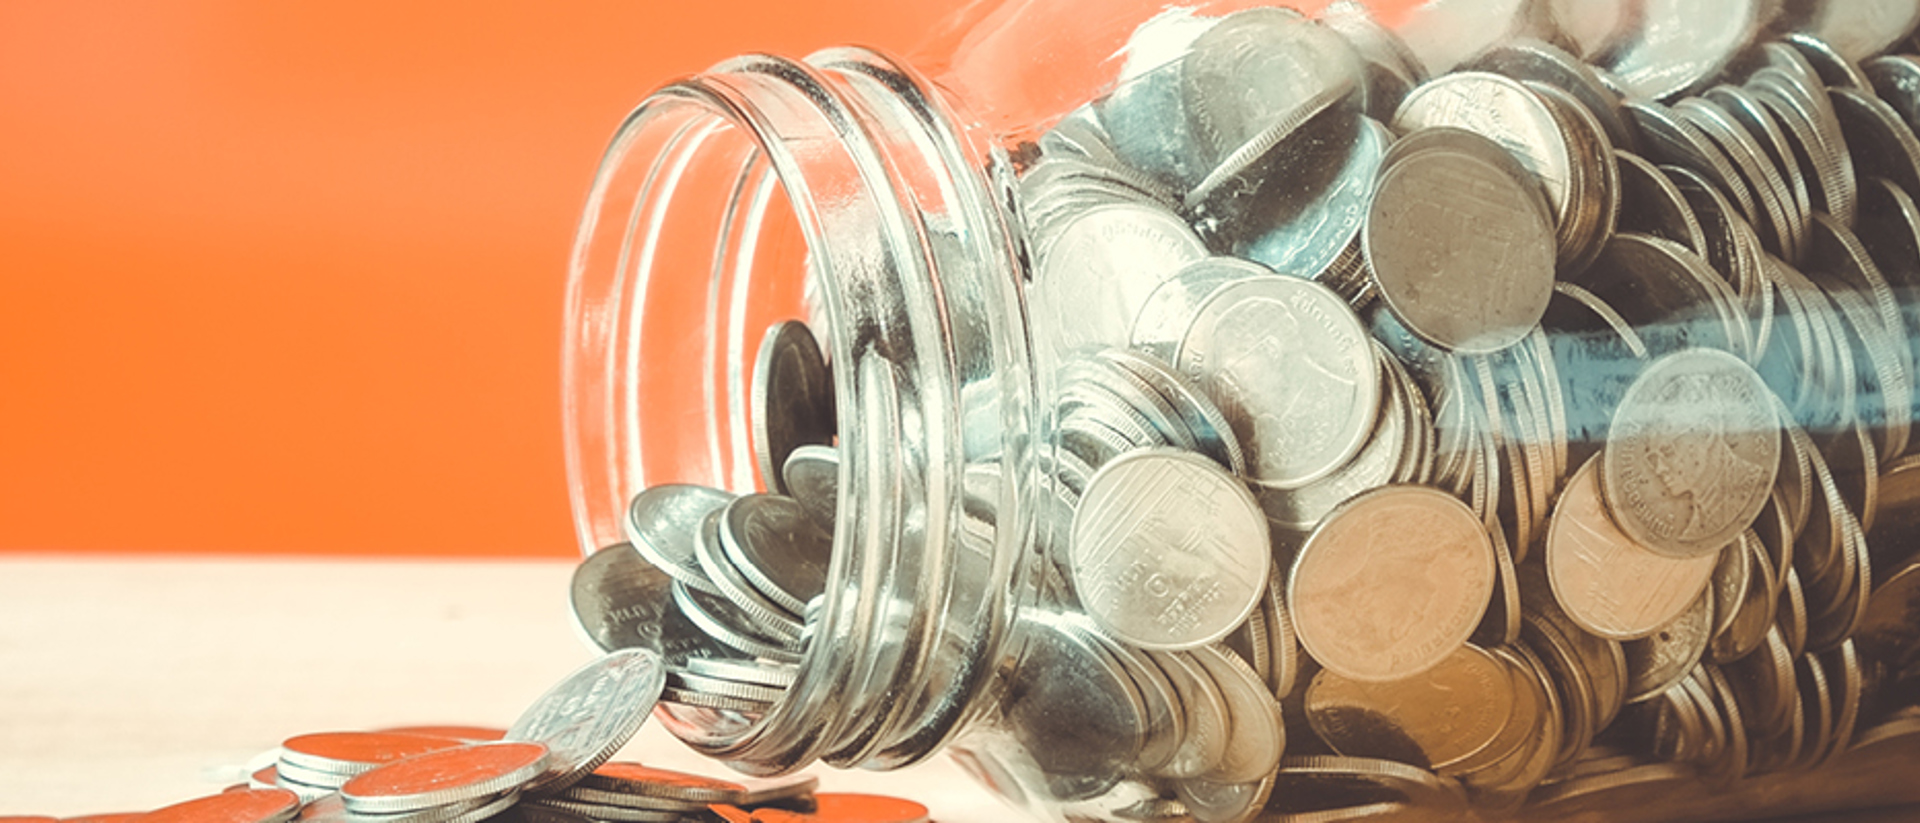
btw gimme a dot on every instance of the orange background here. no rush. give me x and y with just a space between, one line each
287 277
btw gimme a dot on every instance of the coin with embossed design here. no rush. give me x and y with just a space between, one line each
1460 241
1289 364
1606 581
1391 583
1168 550
1692 453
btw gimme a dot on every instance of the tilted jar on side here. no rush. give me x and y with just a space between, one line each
1231 410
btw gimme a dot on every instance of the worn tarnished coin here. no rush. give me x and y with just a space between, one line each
792 398
1460 242
1168 551
1434 720
1692 453
1391 583
588 716
664 524
1289 364
445 777
1608 582
1660 660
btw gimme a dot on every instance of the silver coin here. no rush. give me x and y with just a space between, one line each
1073 710
728 625
1168 550
1206 717
1093 280
1459 245
812 476
588 716
756 672
1542 62
1858 29
1309 243
664 524
1208 426
781 551
1657 662
1692 454
792 396
1506 112
1808 118
1256 736
1253 79
765 615
1289 364
622 602
1678 44
1169 310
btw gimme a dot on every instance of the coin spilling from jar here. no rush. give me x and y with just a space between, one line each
1511 412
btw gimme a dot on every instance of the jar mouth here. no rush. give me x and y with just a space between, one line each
842 191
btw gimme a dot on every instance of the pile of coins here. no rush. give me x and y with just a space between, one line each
1544 372
551 766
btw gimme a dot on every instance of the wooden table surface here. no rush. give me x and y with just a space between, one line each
131 683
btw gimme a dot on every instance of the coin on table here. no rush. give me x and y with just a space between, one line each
792 398
1461 244
248 806
1391 583
1692 453
351 753
1606 581
588 716
444 777
1290 365
1168 550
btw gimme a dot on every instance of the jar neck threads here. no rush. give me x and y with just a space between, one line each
845 190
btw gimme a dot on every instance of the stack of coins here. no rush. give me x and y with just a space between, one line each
549 767
1545 375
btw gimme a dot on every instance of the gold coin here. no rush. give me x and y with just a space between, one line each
1607 582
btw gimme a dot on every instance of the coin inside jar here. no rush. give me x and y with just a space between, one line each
1391 583
1693 452
1460 241
1607 582
1169 551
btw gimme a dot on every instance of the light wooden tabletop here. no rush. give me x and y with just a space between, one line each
132 683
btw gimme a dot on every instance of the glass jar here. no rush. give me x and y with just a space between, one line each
906 212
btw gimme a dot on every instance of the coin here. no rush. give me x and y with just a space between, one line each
622 602
780 551
351 753
248 806
1510 114
1459 243
664 524
1256 738
446 776
1858 30
1692 453
1288 363
1168 550
1072 709
792 397
1609 583
1205 730
1677 44
812 477
1435 720
1097 273
588 716
1391 583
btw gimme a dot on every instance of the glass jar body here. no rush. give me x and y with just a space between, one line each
918 223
